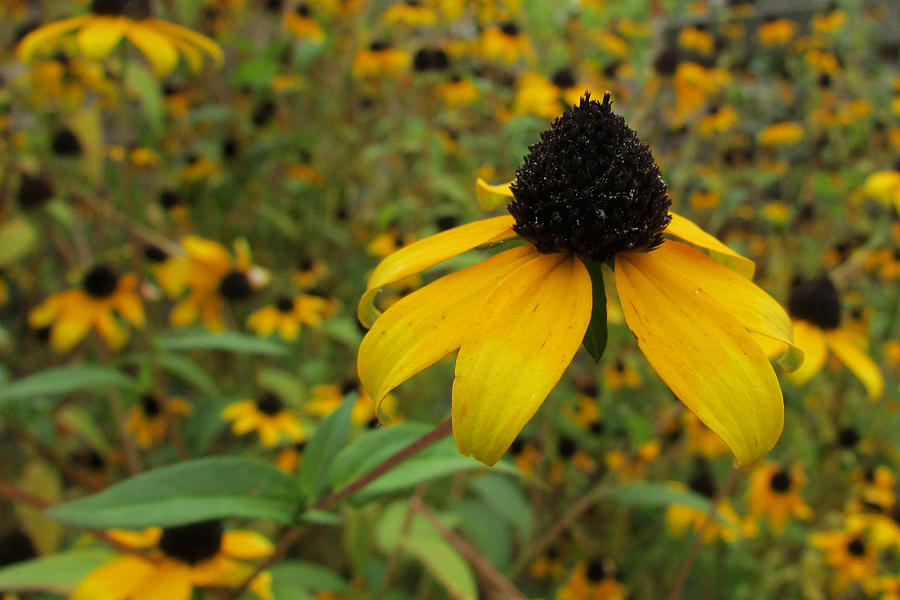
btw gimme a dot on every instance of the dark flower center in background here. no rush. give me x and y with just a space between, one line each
856 547
848 437
303 10
285 304
34 191
269 404
133 9
349 386
100 282
169 199
596 571
16 547
780 481
815 300
192 543
150 405
430 58
155 254
666 62
378 46
563 78
509 28
590 187
66 143
235 286
566 447
703 484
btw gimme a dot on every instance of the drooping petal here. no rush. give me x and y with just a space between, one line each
69 330
516 350
428 324
740 297
110 330
246 544
841 343
115 580
191 37
491 196
811 340
97 39
158 49
690 232
130 307
172 581
428 252
705 356
47 33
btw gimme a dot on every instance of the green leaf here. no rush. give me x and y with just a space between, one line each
59 573
189 371
147 90
229 341
488 531
17 238
208 488
371 449
307 577
44 481
504 495
330 436
283 384
321 517
595 336
82 422
62 380
645 493
422 541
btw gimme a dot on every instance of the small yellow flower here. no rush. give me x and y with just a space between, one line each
73 313
150 418
849 553
457 92
775 494
302 24
696 39
409 12
112 20
593 580
829 23
177 560
325 399
776 32
266 415
505 43
620 374
287 315
380 58
786 133
726 525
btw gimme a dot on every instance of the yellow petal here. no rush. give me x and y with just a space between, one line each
841 343
129 306
136 539
289 329
741 298
239 409
192 37
491 196
158 49
428 252
245 544
191 55
115 580
48 310
811 340
172 581
184 313
690 232
46 33
97 39
428 324
514 353
703 354
69 330
109 329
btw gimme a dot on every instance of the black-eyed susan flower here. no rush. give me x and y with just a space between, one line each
308 272
175 561
110 21
380 58
815 310
774 493
288 314
268 416
700 440
526 455
103 294
785 133
592 580
776 32
632 465
726 525
288 458
457 91
569 453
621 374
212 278
696 39
505 42
413 13
548 565
849 553
326 398
150 418
303 24
884 186
588 192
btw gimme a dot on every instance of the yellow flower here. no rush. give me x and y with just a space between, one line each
301 23
266 415
505 43
150 418
111 20
815 310
776 32
726 525
700 440
73 313
287 314
696 39
457 92
212 278
379 59
518 317
884 186
619 374
829 23
786 133
775 494
536 95
327 398
409 12
592 580
849 553
288 459
722 120
175 561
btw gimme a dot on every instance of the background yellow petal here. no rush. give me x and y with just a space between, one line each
46 33
811 340
428 324
690 232
115 580
704 355
841 343
428 252
491 196
69 330
158 49
172 581
97 39
516 351
246 544
110 330
191 37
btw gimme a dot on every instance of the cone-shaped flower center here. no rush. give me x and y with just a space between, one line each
133 9
192 543
100 282
856 547
780 481
703 484
566 447
66 143
150 405
269 404
590 187
285 304
816 300
235 286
